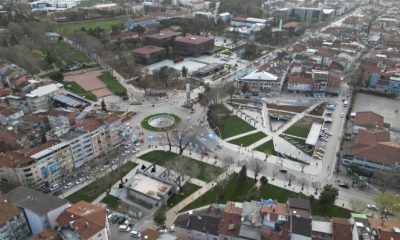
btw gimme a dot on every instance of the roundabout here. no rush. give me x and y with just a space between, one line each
160 122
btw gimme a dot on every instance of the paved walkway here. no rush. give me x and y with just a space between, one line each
241 135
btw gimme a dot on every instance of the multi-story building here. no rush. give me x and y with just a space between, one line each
193 45
41 210
8 114
80 143
260 82
84 221
149 54
300 219
394 85
60 117
115 129
162 39
13 224
306 14
38 167
39 99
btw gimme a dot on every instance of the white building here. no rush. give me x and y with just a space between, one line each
41 210
39 99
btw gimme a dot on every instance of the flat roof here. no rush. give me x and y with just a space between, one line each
149 186
67 100
163 34
148 50
313 135
192 39
49 150
44 90
322 226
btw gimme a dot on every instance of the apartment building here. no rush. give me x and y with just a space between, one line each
60 117
115 128
193 45
13 224
80 143
39 99
37 167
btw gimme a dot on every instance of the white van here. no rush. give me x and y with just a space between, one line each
54 186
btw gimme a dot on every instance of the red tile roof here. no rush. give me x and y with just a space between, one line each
385 228
89 124
195 40
46 234
290 25
275 210
151 234
300 80
5 92
8 111
112 118
148 50
89 219
230 224
369 119
7 211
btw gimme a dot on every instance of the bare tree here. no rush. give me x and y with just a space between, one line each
358 205
181 171
316 185
169 142
303 165
303 182
182 137
274 173
290 177
256 165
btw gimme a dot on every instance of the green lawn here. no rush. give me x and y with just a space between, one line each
93 190
249 139
69 55
267 148
187 190
145 122
111 201
112 84
74 26
298 131
239 192
78 90
234 191
206 172
233 126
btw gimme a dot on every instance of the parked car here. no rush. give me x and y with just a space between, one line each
54 186
110 216
135 234
124 228
68 185
283 170
372 207
121 220
344 185
114 219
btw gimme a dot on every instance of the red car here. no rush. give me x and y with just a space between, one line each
283 170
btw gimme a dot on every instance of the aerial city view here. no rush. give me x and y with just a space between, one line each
200 120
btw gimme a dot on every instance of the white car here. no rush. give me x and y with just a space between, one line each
68 185
372 207
124 228
341 115
135 234
54 186
109 216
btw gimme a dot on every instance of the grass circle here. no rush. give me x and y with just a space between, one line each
145 122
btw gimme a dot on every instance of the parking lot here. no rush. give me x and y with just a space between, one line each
114 221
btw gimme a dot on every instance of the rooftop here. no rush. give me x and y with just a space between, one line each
37 202
260 76
163 34
89 124
44 90
149 186
88 219
148 50
46 234
7 211
206 220
192 39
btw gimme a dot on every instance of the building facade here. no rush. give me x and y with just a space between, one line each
13 224
193 45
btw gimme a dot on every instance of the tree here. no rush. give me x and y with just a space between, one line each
230 90
181 171
182 137
103 106
250 49
160 217
57 76
316 185
328 196
387 202
303 165
256 165
290 177
263 180
357 205
245 88
184 71
243 174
